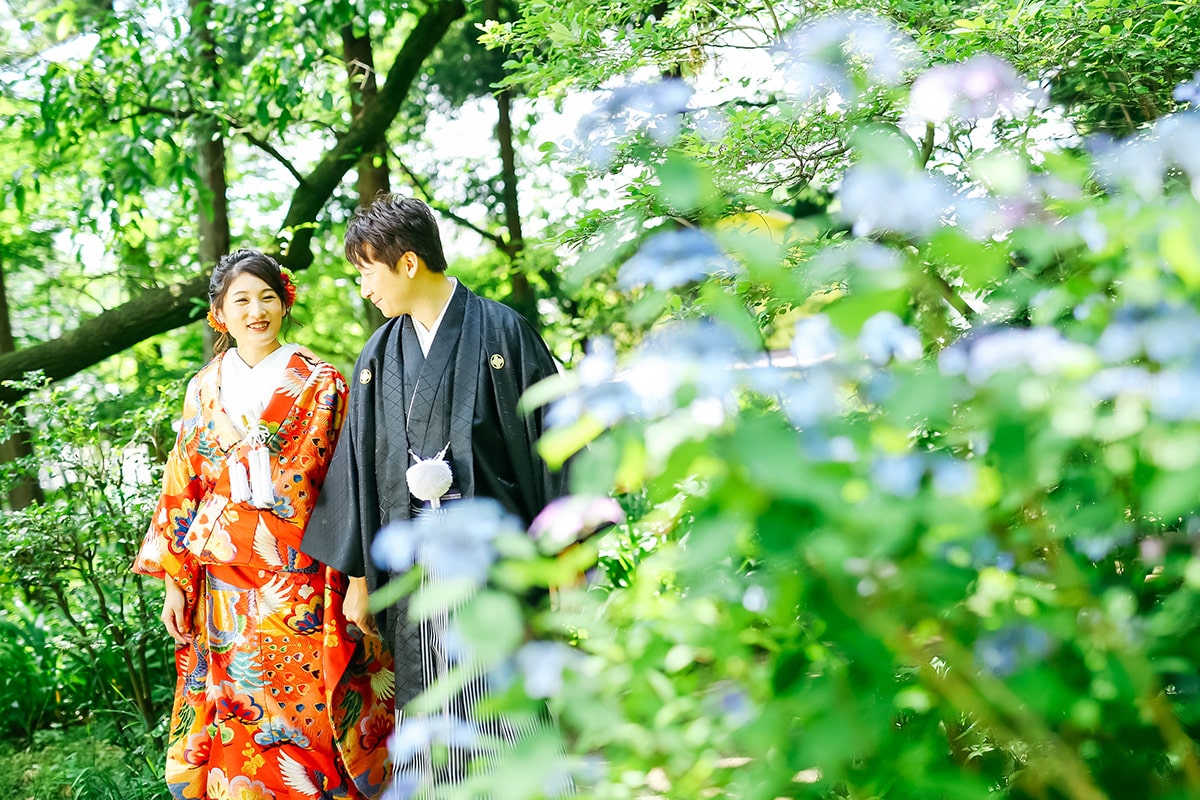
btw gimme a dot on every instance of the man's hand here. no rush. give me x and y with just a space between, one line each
357 606
174 613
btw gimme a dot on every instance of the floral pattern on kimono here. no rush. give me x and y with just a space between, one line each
278 695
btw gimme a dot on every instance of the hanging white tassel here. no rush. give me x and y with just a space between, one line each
262 487
429 478
239 486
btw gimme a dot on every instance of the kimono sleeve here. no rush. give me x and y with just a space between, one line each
311 441
346 515
163 552
539 484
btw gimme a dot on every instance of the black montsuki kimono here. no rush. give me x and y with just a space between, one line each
464 394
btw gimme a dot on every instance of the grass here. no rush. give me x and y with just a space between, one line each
74 764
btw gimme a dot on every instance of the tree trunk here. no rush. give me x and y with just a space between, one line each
26 491
212 221
523 298
374 177
162 309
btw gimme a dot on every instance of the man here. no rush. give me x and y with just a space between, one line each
440 379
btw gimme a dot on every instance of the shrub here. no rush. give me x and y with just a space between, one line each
84 644
944 546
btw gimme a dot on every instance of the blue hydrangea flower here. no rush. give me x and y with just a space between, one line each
885 337
754 599
708 359
813 396
701 355
815 340
899 474
1041 350
820 447
1002 653
1138 163
878 197
1175 395
674 258
952 477
655 110
404 786
1097 546
1188 92
416 733
1165 333
732 702
455 541
542 664
979 87
820 58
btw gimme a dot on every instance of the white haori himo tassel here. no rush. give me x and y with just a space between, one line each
239 483
429 478
262 488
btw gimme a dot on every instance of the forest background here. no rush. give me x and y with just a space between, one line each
881 347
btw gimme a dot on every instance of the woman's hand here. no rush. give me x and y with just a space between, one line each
357 606
174 613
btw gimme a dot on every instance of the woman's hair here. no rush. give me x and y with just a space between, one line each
261 266
390 227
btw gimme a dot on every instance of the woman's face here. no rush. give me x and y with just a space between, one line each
253 312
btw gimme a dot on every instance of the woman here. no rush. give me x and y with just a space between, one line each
278 695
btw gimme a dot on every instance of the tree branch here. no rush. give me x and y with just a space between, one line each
927 144
181 114
152 311
145 111
270 150
423 187
948 294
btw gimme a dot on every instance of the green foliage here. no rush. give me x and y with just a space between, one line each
33 679
943 546
83 643
1112 64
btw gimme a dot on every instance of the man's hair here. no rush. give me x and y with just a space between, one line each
391 226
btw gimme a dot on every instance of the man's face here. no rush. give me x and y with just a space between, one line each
388 289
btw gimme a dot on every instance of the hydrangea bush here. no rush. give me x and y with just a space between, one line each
897 501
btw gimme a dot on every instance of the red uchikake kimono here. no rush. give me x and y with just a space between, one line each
278 696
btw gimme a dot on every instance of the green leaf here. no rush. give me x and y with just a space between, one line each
559 444
979 263
848 313
65 27
492 625
1180 248
395 590
440 597
686 185
1172 494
